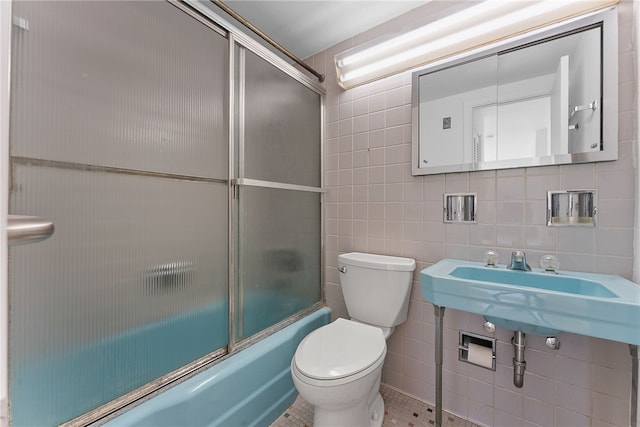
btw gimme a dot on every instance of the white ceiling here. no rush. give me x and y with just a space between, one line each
306 27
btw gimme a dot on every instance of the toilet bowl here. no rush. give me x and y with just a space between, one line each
337 369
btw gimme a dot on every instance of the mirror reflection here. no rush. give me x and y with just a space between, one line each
536 103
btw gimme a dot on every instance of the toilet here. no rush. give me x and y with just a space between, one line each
337 368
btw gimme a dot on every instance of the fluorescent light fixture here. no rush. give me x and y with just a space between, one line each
487 22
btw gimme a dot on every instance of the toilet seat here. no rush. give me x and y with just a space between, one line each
338 350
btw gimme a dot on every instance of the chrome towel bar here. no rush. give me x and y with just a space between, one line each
22 229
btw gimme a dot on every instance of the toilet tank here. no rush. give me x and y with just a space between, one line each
376 288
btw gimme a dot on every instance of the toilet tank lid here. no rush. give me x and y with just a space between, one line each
378 262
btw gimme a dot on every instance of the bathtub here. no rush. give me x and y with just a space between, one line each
250 388
58 387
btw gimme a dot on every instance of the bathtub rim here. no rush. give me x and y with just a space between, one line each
201 367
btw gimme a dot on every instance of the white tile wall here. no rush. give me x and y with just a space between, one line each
374 204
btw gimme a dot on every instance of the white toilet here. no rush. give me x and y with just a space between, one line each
337 367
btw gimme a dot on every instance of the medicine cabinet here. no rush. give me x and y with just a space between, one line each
544 98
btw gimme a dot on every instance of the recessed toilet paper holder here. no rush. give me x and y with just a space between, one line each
485 346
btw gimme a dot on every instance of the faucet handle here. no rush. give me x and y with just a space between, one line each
491 258
550 264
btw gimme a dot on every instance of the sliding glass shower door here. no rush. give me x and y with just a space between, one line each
119 136
279 195
125 117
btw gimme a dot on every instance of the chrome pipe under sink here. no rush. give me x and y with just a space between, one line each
519 364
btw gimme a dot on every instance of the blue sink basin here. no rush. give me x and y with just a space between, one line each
598 305
549 282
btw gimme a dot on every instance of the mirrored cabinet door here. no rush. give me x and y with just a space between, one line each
543 99
542 93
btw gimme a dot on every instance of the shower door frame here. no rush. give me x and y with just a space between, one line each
237 145
234 37
5 72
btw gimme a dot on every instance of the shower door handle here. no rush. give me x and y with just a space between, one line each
22 229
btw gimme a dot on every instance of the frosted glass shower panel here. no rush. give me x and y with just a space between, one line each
282 121
119 135
279 263
132 285
136 85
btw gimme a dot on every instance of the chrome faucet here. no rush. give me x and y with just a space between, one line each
518 261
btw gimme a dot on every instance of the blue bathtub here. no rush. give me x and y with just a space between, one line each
59 387
250 388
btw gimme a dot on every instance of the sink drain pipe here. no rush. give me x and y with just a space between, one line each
519 365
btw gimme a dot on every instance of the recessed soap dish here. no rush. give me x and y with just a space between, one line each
460 207
572 208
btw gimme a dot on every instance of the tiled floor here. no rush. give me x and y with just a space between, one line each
400 410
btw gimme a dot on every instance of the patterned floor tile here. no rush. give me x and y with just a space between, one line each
400 410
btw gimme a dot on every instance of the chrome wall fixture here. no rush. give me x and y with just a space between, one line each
23 229
468 342
460 207
572 208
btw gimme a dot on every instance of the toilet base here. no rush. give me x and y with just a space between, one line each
365 414
377 412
